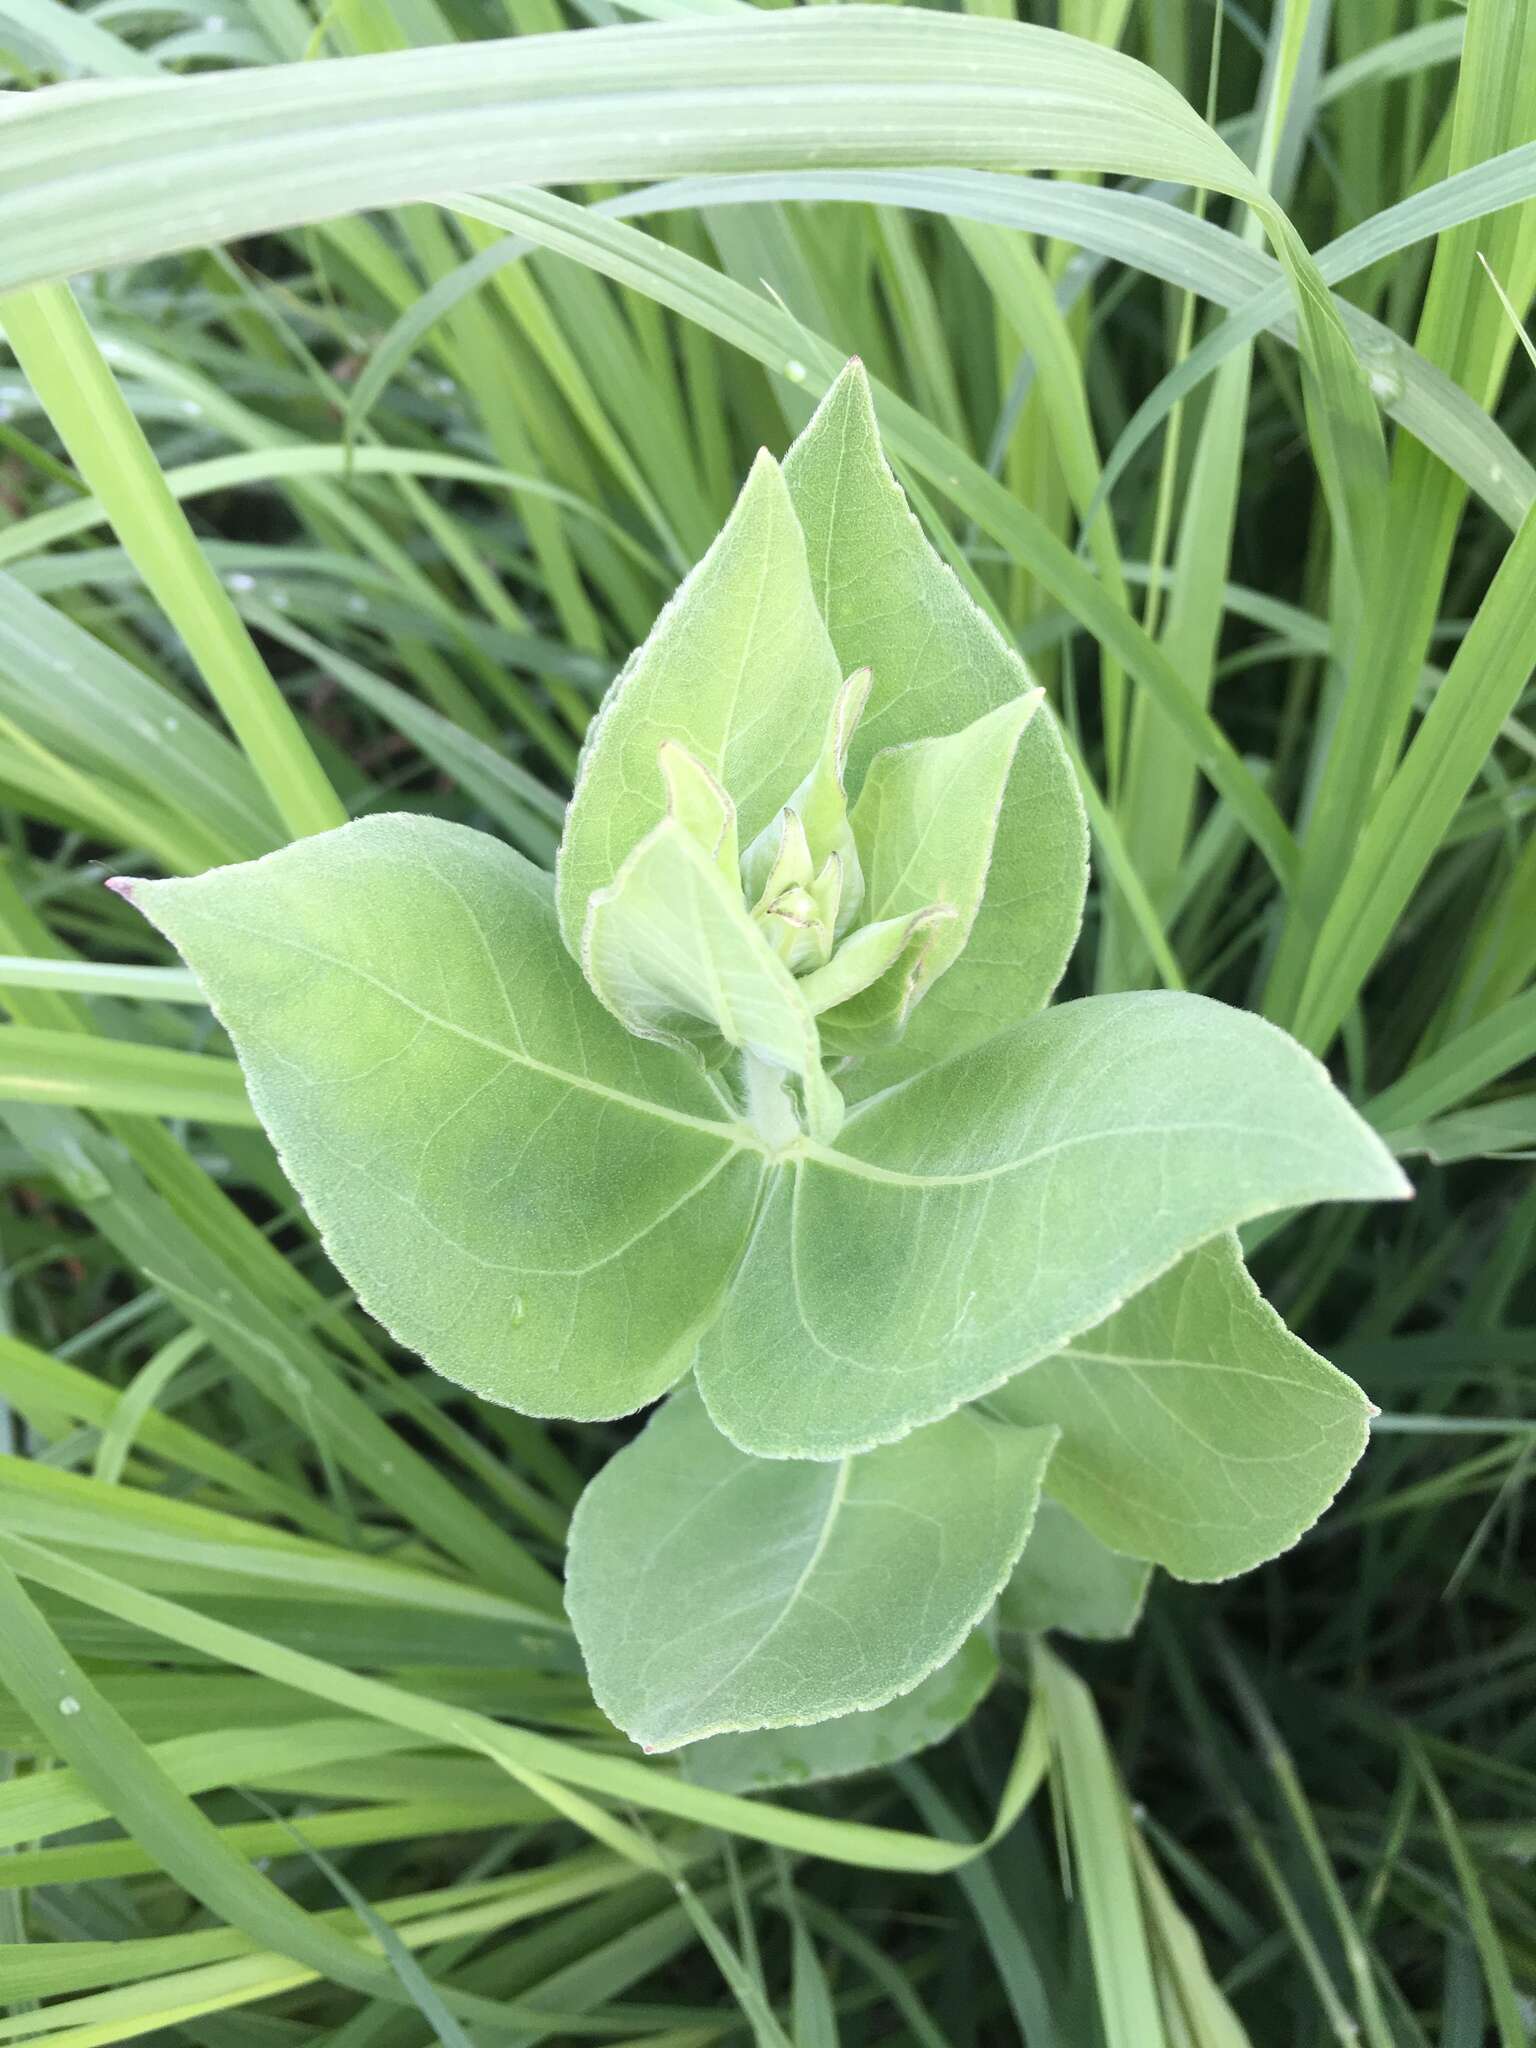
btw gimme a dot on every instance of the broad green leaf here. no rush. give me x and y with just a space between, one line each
925 824
974 1218
672 950
738 669
1068 1580
1197 1430
712 1591
769 1758
544 1206
937 665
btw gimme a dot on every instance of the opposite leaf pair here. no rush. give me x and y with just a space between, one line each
826 848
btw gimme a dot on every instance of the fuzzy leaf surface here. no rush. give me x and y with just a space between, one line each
712 1591
738 669
1068 1580
925 824
542 1205
670 949
768 1759
937 664
977 1217
1198 1431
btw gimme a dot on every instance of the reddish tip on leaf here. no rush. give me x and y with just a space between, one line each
121 885
855 362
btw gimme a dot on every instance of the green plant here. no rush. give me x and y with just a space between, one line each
338 482
786 1109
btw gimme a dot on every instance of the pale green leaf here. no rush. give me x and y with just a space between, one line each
938 664
701 806
866 957
1197 1431
974 1218
925 823
766 1759
544 1206
712 1591
878 1014
1068 1580
778 860
672 950
821 805
738 669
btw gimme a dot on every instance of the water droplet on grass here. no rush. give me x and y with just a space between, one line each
1385 370
69 1704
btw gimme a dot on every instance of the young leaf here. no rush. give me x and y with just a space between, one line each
711 1591
1197 1431
738 669
937 664
544 1206
869 956
769 1758
821 805
878 1014
1067 1579
698 803
974 1218
672 951
925 824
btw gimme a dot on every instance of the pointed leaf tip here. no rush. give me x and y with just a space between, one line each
123 885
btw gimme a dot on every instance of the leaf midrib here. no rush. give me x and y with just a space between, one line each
816 1154
786 1607
736 1135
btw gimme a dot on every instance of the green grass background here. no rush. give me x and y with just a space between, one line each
387 404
